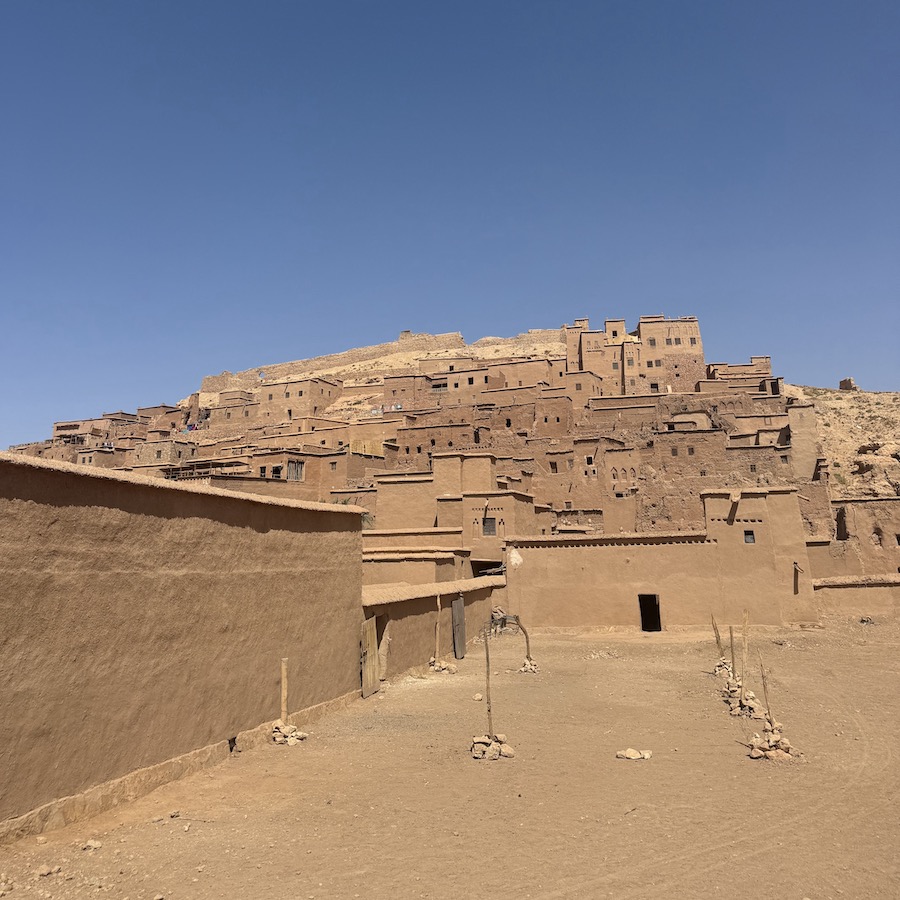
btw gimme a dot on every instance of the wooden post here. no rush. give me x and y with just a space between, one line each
284 690
718 636
527 642
487 680
762 670
733 666
437 633
744 647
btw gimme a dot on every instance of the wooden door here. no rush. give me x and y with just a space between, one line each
369 658
459 627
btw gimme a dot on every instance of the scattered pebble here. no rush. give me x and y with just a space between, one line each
477 697
287 734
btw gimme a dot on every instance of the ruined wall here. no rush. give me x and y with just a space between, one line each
142 621
407 342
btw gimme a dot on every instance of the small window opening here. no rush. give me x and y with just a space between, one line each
749 536
650 617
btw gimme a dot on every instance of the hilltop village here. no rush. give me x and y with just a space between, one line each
466 460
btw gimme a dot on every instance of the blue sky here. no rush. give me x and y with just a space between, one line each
188 187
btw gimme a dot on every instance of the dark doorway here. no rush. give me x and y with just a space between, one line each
650 620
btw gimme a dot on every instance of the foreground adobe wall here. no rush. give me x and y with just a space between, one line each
142 621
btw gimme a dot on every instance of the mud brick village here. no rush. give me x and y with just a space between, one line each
266 572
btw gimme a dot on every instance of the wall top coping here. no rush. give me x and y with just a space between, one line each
379 594
24 462
625 538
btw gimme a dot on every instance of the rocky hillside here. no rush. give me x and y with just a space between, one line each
860 435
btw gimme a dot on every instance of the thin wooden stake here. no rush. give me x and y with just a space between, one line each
284 690
762 670
733 667
718 636
437 633
487 681
744 649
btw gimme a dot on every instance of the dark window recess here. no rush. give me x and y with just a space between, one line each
509 423
693 342
840 521
276 471
749 536
568 504
262 471
674 451
334 467
488 526
650 618
690 451
752 467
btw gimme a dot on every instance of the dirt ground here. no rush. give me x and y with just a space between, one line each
384 799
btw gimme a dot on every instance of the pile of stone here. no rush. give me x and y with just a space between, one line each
773 744
487 747
529 667
438 665
287 734
723 667
742 703
631 753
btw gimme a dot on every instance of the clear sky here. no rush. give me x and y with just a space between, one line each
187 187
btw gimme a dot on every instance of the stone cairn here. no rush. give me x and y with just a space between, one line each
742 702
529 667
491 747
287 734
438 665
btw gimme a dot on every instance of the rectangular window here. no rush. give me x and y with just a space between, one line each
649 363
471 381
570 463
287 395
657 363
553 469
262 471
615 364
693 342
652 342
615 333
784 459
295 470
568 504
276 471
703 473
654 387
678 341
577 386
270 396
668 342
630 360
333 466
749 537
159 454
488 526
690 451
674 451
589 460
752 467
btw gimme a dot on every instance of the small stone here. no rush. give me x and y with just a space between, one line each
756 753
301 735
477 697
507 751
500 738
770 754
292 741
175 814
41 839
646 754
478 751
44 871
452 669
734 712
493 751
279 738
160 897
784 744
277 725
92 845
187 827
289 730
483 739
631 753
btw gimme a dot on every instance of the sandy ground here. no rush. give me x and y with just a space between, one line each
384 799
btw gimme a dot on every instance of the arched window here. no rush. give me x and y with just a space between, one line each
615 475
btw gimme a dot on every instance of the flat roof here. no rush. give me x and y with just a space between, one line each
166 485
